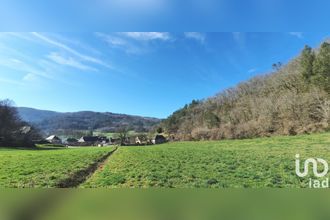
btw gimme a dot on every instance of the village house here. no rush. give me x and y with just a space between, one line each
103 139
93 141
142 140
53 139
88 140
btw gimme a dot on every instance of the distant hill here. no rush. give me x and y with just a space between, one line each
55 122
35 115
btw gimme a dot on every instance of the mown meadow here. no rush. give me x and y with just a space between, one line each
253 163
44 167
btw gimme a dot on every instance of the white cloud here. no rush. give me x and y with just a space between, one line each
24 67
30 77
69 61
90 49
13 82
252 70
147 36
112 40
119 41
196 36
42 70
297 34
116 41
70 50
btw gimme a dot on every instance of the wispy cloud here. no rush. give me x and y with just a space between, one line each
10 81
252 70
133 42
25 65
297 34
30 77
71 50
195 36
78 43
69 61
147 36
118 42
21 66
41 71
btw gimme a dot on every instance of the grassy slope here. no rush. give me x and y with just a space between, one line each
44 168
264 162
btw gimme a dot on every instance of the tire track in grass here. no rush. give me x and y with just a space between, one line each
100 168
40 203
81 176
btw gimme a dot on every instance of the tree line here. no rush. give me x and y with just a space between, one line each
292 99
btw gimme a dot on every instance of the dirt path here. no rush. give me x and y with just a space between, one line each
82 175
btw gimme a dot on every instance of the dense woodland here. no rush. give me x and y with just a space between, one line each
293 99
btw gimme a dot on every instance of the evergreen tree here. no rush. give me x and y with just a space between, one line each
277 66
307 60
321 67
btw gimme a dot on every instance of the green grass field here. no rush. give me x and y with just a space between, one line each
44 168
258 163
264 162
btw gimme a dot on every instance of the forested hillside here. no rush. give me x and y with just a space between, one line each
293 99
67 123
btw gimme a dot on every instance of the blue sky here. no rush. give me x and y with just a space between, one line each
140 73
164 15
